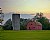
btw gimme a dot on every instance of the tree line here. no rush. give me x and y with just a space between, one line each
44 21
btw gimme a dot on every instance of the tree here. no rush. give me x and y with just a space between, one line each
22 24
8 25
45 23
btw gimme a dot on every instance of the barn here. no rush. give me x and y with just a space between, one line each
32 25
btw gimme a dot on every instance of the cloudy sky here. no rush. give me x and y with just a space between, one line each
26 6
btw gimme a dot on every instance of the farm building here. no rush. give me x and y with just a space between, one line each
16 21
33 25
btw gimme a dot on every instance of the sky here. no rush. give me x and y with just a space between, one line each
26 6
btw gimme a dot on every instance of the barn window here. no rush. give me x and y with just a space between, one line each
31 24
33 27
29 28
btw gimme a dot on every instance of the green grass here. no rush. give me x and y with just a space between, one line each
25 35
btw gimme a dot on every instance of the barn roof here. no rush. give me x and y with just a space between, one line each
37 23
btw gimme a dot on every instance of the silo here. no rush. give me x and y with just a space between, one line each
16 21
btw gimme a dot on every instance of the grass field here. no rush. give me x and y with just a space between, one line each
25 35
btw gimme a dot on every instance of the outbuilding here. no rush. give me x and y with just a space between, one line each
32 25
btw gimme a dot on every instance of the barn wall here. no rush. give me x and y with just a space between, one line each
34 26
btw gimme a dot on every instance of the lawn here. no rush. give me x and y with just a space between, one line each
25 35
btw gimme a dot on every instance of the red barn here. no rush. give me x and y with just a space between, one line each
31 25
